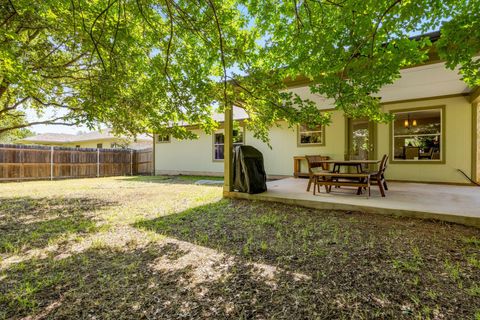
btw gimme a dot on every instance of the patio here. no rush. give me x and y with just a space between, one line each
452 203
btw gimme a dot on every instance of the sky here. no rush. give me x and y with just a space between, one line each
32 116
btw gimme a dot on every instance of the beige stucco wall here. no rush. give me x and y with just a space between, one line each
283 140
477 150
196 156
187 156
458 141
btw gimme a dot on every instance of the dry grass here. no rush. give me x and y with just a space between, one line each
158 247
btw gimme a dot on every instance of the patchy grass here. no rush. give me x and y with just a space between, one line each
163 247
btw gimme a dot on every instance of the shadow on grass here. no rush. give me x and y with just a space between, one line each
151 282
27 223
241 259
171 179
355 264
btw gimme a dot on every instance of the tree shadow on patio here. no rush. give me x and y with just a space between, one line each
344 263
27 223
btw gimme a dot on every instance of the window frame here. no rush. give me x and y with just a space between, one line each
222 131
443 145
299 133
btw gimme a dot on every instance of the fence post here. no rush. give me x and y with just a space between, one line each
131 162
98 162
51 162
22 164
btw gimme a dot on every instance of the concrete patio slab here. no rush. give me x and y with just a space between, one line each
452 203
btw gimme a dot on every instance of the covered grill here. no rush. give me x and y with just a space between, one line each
248 171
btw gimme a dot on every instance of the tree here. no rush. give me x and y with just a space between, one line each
11 136
151 66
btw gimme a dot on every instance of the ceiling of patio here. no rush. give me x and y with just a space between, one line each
420 82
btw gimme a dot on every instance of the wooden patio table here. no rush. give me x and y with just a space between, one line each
337 164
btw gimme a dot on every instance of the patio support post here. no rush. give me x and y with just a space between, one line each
228 151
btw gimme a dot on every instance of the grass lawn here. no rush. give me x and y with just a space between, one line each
165 248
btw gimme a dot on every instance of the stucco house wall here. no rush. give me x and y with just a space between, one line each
196 156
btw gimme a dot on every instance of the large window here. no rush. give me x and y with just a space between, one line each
219 143
308 135
417 135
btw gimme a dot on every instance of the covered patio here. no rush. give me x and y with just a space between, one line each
445 202
451 203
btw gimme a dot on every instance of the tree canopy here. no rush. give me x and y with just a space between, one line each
152 66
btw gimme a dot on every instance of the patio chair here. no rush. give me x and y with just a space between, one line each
379 175
315 165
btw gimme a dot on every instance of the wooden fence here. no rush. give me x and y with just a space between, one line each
21 162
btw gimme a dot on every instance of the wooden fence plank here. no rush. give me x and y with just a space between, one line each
20 162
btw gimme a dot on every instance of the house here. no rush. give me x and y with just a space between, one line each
97 139
436 133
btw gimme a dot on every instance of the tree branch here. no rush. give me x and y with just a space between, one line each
222 53
167 55
29 124
14 106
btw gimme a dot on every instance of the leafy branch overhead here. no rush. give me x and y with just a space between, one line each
152 66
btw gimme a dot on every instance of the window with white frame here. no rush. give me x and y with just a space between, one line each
417 135
219 143
311 135
162 138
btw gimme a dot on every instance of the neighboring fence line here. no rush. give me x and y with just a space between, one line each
25 162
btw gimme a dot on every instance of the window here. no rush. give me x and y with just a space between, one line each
219 143
163 138
417 135
99 146
308 135
77 146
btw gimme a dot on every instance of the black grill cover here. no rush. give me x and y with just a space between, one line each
248 171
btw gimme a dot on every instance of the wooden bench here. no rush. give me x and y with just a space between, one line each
360 180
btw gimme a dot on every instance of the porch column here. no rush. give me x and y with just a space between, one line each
228 151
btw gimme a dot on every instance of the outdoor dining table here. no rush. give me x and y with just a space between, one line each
338 164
